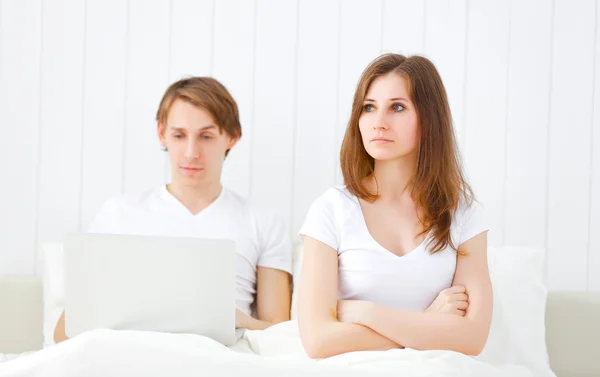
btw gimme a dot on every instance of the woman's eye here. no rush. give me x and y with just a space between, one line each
368 107
206 137
178 136
398 107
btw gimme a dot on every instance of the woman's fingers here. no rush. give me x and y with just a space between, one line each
459 312
460 297
457 289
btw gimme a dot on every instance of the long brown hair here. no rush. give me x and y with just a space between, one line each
438 185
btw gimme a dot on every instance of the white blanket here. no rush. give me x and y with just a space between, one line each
276 351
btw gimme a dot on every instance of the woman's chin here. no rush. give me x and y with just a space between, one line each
383 155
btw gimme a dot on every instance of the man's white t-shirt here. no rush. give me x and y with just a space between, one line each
260 234
367 271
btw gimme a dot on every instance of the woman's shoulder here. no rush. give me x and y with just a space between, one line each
468 208
332 204
469 220
334 195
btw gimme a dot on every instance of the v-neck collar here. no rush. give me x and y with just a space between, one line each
365 229
167 196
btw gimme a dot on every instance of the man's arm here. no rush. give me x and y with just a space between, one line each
273 300
59 330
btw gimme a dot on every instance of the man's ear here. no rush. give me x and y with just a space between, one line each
160 129
232 142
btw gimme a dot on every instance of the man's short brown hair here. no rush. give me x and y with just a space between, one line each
205 93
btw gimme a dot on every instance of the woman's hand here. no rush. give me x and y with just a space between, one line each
453 300
353 311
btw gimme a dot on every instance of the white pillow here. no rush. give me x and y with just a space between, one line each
517 333
52 261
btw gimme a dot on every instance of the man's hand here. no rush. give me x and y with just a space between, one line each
242 320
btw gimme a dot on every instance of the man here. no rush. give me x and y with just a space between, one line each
198 124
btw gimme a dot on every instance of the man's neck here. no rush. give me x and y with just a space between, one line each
195 198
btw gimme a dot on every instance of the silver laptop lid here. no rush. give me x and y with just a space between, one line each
165 284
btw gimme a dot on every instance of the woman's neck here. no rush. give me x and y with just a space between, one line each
195 197
391 177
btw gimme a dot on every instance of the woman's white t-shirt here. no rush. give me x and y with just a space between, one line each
367 271
260 235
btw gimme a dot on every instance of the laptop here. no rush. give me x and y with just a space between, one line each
150 283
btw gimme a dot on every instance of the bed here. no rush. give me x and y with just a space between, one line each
570 324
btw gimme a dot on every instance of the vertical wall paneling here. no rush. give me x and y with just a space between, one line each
191 38
527 126
190 44
569 159
61 118
104 104
486 99
78 101
594 225
445 44
358 47
233 64
20 42
316 103
275 102
403 26
146 79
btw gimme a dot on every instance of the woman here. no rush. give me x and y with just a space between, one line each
198 124
397 256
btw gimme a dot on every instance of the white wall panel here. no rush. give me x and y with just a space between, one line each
527 124
20 42
191 40
403 26
570 150
147 78
275 105
233 64
316 100
61 118
594 225
191 44
358 46
104 104
484 139
80 82
445 44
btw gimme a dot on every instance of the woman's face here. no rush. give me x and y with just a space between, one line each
388 123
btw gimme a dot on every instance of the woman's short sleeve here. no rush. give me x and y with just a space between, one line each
472 221
320 222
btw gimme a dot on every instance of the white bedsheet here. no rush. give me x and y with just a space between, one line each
273 352
4 357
